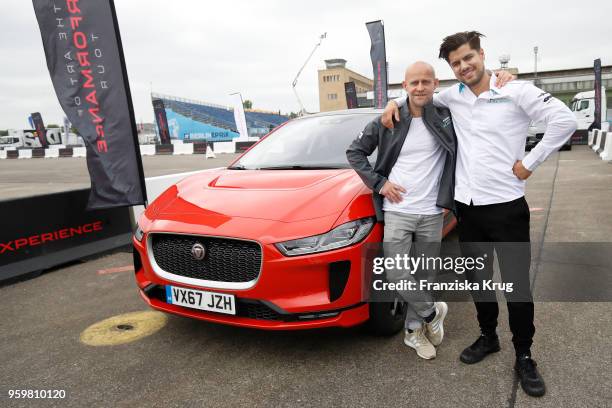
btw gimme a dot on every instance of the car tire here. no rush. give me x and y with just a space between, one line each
566 147
386 318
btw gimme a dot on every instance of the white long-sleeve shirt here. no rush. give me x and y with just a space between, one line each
491 133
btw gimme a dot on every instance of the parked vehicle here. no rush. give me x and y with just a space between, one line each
274 241
583 106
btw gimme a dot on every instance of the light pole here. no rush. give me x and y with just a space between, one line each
535 65
294 83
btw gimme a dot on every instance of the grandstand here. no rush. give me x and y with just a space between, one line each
197 120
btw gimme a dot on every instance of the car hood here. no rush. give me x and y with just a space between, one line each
278 195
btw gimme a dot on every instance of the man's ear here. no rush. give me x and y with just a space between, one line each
482 54
404 84
436 83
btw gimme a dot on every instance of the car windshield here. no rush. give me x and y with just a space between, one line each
308 143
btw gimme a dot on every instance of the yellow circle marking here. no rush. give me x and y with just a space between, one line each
112 331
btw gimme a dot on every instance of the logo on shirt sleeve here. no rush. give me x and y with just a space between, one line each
546 96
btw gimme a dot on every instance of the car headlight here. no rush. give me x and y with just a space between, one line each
139 233
341 236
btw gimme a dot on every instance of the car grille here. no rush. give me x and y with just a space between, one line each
226 260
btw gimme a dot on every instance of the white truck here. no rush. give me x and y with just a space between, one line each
583 106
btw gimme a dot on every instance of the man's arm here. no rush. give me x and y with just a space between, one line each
540 106
440 99
358 152
357 155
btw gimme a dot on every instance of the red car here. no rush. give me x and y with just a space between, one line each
274 241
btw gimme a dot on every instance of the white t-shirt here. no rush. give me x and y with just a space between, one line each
418 169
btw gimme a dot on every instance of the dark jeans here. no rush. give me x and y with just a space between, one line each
502 227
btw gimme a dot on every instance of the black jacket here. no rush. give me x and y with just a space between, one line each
389 143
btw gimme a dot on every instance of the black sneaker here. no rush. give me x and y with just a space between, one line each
482 347
531 381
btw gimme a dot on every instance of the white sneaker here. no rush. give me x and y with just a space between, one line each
418 341
435 330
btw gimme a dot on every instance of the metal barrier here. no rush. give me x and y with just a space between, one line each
177 147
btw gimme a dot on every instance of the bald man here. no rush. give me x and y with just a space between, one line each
412 183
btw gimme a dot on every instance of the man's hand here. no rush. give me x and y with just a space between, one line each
393 192
391 111
502 78
520 171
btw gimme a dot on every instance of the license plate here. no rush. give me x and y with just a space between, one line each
203 300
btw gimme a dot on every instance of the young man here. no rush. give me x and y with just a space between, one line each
412 182
491 127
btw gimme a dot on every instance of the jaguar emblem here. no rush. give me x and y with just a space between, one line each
198 251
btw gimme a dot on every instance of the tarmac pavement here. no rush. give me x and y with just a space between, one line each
190 363
27 177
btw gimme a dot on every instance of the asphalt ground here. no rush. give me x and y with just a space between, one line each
27 177
189 363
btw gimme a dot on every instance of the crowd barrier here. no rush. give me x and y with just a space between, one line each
591 138
600 142
43 231
606 148
178 147
597 139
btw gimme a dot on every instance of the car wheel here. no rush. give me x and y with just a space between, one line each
386 318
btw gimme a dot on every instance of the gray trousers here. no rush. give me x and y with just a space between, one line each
400 231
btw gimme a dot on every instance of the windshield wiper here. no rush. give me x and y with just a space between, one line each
237 167
304 167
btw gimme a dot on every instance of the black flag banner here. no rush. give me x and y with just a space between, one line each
379 62
162 121
597 68
351 95
85 59
39 126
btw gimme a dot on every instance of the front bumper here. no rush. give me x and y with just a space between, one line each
303 292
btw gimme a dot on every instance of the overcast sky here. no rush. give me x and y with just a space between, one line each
205 50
